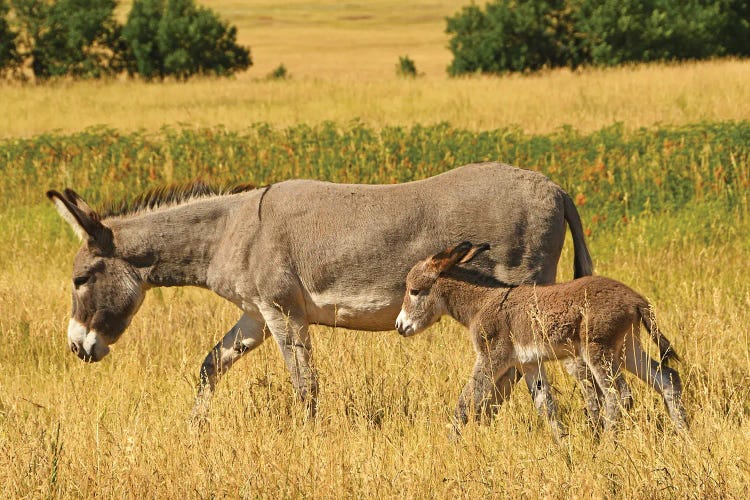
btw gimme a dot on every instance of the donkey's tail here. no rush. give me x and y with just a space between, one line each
581 256
666 351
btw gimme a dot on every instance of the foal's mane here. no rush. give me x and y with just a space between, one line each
170 195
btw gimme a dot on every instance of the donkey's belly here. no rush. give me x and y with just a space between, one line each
373 311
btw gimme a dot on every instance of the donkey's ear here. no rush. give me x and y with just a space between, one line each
76 200
474 251
450 256
86 227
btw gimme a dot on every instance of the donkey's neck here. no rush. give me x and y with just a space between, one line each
174 246
464 300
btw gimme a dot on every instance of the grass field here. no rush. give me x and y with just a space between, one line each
667 208
678 235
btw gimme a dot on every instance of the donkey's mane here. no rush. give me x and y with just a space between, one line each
170 195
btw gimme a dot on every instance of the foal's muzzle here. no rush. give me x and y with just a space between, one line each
403 325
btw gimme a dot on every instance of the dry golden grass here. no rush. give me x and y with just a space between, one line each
342 59
638 96
385 400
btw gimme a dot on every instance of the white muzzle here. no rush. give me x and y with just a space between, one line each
86 344
404 325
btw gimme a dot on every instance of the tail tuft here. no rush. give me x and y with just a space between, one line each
666 351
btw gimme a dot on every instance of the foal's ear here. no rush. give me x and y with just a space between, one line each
474 251
87 227
450 256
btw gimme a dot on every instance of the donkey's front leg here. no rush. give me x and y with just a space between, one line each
242 338
290 330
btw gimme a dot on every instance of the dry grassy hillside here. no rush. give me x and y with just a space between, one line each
342 59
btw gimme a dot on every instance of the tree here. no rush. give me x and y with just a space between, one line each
177 38
652 30
9 58
80 38
513 36
140 34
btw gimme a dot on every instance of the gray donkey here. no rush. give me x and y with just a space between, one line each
595 318
304 252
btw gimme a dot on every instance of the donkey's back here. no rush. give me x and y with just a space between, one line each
351 245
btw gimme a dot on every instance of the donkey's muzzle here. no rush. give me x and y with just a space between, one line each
85 343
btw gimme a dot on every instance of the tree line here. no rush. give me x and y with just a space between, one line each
528 35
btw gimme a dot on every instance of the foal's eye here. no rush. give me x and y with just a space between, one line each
414 292
80 280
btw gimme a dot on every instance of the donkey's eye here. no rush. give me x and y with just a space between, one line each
80 280
414 292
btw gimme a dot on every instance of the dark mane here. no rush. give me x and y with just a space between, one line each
172 194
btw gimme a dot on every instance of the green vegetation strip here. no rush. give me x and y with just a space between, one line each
615 173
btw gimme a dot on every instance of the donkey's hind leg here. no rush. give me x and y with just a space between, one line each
247 334
659 376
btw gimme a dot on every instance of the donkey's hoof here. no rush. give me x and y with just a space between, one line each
199 421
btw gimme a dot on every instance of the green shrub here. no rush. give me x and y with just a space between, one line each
523 35
653 30
140 34
513 36
406 67
81 38
280 73
736 32
177 38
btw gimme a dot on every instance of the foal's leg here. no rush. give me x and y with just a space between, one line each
577 366
242 338
659 376
290 330
535 377
592 394
502 388
604 365
479 390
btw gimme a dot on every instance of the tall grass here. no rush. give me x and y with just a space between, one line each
385 401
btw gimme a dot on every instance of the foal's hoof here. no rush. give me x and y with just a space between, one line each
198 425
559 432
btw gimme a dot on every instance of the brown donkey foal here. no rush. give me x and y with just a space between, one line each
593 317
